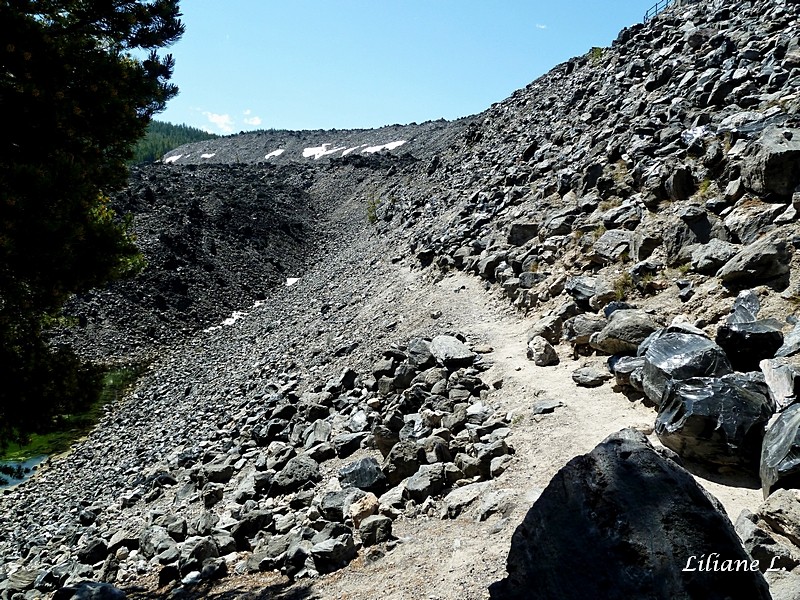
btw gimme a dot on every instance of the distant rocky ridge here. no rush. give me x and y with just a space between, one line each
281 147
640 202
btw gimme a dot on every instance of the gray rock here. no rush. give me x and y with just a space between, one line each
611 247
578 330
403 461
419 354
550 328
298 472
249 525
93 551
781 511
791 342
334 505
581 288
334 553
346 444
709 258
546 406
459 499
450 352
365 474
541 352
760 261
375 529
783 380
623 522
763 545
195 552
317 433
520 233
780 454
429 480
154 540
212 494
589 377
624 366
776 165
219 471
750 219
623 333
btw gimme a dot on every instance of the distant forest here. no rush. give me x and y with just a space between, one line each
162 137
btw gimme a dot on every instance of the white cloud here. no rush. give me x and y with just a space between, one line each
223 123
247 112
540 26
253 121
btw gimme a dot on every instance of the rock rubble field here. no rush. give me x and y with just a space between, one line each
547 351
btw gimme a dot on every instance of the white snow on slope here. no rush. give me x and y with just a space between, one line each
291 281
320 151
211 155
277 152
172 159
389 146
349 150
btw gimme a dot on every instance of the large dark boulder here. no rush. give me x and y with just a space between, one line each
623 522
719 421
678 355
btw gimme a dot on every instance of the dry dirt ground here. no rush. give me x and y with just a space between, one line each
446 559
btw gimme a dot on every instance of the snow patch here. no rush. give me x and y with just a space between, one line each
320 151
349 150
277 152
208 155
291 281
389 146
234 317
172 159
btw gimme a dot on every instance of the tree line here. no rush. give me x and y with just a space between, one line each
161 137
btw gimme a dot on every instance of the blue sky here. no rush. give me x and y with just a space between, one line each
341 64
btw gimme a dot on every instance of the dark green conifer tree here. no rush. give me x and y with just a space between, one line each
79 82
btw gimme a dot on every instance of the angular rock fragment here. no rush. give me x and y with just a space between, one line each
776 166
375 529
747 344
623 333
780 454
760 261
676 355
364 474
541 352
451 352
589 377
783 380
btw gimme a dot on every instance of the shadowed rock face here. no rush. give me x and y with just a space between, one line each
623 522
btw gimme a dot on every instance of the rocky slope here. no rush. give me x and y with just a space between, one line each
635 209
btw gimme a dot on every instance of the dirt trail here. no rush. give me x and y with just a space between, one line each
458 559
